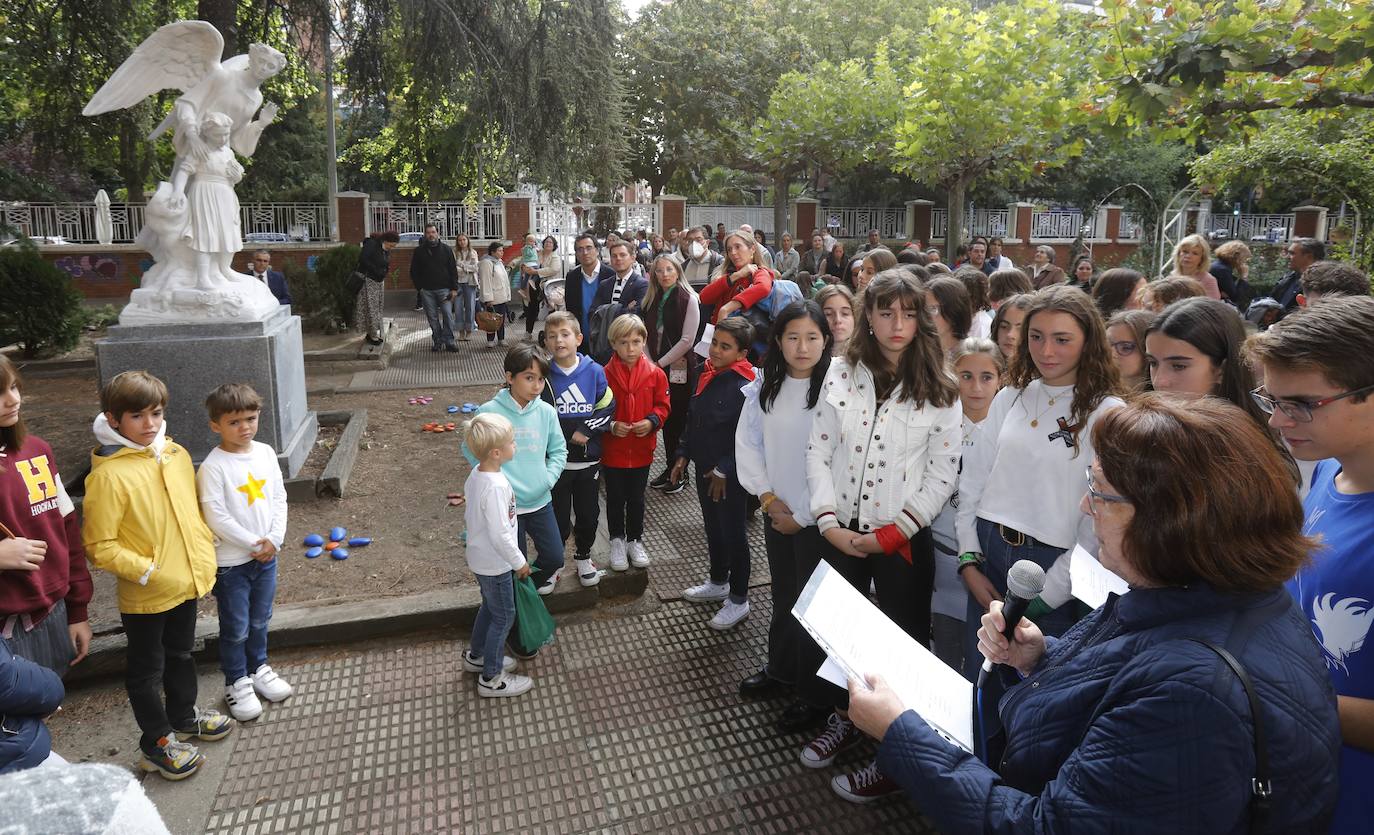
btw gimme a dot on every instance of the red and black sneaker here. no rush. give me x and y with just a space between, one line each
838 735
865 785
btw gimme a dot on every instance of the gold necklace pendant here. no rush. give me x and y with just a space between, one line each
1034 423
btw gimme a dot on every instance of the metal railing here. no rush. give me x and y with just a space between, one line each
1271 228
1132 227
75 223
478 223
758 217
855 221
1059 224
985 222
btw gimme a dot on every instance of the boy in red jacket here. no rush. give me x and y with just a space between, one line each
745 279
641 404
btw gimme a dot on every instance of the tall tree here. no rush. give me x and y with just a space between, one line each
1002 110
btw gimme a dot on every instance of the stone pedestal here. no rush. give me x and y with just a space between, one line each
194 358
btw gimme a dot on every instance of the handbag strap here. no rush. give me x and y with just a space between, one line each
1261 790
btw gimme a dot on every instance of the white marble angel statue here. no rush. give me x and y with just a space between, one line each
191 225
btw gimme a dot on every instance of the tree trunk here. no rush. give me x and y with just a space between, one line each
221 15
780 192
954 231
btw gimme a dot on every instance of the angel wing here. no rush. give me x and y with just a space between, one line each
176 55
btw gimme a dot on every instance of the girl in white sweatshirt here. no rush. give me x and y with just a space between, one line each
1027 475
770 460
883 458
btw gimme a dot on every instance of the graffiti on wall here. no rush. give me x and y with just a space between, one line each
90 267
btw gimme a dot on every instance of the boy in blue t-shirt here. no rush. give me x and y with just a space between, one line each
1319 389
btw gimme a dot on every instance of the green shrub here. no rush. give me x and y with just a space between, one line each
99 318
321 297
41 310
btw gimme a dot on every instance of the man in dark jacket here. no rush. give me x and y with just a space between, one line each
275 281
434 271
582 282
28 693
1301 254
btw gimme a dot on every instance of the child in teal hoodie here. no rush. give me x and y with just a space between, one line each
540 453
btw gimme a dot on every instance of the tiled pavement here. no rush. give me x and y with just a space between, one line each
633 726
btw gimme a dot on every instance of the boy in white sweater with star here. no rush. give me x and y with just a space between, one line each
243 500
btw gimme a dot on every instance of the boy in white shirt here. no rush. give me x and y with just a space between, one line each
243 500
493 555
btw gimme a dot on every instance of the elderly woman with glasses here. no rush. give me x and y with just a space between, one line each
1198 702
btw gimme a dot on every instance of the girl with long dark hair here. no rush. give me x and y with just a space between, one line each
770 459
881 463
672 316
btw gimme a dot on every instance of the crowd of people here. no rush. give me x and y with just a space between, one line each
920 428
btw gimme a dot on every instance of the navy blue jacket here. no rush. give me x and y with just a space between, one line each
709 439
276 282
1126 725
28 692
572 295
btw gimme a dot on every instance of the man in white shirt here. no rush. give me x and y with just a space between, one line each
275 281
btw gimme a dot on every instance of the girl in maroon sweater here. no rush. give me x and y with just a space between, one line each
44 582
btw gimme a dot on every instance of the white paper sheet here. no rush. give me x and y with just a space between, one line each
703 348
860 640
1091 582
833 673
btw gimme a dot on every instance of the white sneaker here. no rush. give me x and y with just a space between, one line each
587 573
473 663
506 684
639 558
243 702
550 584
707 592
729 615
269 685
619 561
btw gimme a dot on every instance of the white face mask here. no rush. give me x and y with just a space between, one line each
697 250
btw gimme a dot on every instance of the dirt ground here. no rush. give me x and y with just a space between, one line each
396 495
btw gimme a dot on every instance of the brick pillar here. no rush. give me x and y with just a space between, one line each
1111 229
517 213
672 212
805 215
355 221
1310 222
1021 223
918 222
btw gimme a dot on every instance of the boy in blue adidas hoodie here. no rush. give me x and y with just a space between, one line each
578 391
540 453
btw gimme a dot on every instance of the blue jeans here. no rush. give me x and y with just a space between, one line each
999 556
440 319
465 309
495 617
542 526
244 595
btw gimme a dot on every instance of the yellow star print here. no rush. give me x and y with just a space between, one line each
253 489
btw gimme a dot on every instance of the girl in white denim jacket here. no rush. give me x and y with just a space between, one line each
881 463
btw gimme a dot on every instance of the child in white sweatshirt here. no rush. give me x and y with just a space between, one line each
243 500
492 554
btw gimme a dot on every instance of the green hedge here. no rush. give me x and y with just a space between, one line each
41 311
320 297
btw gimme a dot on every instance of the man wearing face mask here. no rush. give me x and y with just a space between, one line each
698 262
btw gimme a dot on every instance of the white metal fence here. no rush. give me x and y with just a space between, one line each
758 217
75 223
855 221
1059 224
985 222
1132 227
477 222
1251 227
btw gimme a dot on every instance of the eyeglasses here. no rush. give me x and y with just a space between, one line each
1298 410
1124 348
1094 493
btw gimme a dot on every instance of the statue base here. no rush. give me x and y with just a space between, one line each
243 301
194 358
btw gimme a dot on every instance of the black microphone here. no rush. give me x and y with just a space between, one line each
1025 581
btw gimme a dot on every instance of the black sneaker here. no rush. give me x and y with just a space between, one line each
451 348
676 488
662 480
